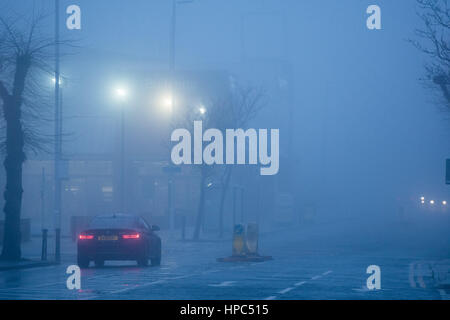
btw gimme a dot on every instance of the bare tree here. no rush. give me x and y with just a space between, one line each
434 42
185 119
243 106
24 58
228 111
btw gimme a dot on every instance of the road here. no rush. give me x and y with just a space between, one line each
310 262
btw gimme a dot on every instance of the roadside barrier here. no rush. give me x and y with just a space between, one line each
238 247
245 245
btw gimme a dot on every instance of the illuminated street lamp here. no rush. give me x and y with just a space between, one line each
121 92
60 80
58 158
444 203
431 201
202 110
167 102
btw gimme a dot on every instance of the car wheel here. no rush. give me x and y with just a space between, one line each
142 261
99 263
82 262
156 260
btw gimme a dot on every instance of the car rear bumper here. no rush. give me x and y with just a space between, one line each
122 250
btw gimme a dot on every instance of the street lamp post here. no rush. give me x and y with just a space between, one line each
173 30
170 184
57 155
121 94
122 160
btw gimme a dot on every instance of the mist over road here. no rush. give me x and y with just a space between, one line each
323 261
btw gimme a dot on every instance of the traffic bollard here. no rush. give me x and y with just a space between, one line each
44 245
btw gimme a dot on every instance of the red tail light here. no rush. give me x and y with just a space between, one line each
86 237
131 236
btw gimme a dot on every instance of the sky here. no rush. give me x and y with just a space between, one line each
366 131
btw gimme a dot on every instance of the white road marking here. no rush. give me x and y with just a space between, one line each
137 287
210 271
223 284
298 284
285 290
362 289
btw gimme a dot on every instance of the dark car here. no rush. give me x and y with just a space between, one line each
119 237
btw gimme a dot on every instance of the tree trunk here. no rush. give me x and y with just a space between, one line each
201 207
225 184
14 160
13 191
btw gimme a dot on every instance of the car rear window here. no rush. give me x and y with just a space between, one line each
113 223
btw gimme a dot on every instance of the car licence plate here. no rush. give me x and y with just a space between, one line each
108 238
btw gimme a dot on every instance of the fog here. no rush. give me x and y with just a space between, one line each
361 137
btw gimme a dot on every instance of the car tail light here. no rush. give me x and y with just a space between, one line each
131 236
86 237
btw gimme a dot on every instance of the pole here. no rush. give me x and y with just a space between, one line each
44 229
122 160
44 245
258 199
57 189
172 96
43 199
234 206
242 204
172 37
172 59
173 26
170 205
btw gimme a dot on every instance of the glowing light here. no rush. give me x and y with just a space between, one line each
202 110
422 198
444 203
431 201
121 92
86 237
166 102
54 80
131 236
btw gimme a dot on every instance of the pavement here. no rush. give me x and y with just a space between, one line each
323 261
24 264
